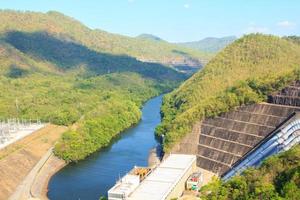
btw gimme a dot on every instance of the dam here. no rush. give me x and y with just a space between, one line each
231 142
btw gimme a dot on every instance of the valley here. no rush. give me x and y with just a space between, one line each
53 69
146 109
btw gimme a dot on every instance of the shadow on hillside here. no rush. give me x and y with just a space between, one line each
70 55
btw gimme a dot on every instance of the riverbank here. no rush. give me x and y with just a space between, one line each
39 187
153 158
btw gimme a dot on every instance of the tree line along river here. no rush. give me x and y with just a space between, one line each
93 177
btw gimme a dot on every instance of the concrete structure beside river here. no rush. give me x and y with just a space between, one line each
166 181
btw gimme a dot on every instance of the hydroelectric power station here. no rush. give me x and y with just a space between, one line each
225 145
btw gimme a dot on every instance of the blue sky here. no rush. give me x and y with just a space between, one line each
176 20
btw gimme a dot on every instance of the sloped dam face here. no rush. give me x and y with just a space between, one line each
225 140
92 177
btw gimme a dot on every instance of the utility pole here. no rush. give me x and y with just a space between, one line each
17 107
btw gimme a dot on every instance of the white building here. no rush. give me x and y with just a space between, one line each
124 187
164 182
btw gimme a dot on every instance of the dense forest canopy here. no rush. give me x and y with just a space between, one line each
243 73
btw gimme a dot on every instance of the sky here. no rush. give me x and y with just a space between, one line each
176 20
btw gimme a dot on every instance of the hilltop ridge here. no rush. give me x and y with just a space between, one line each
69 29
149 37
209 44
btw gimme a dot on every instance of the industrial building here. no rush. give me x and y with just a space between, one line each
166 181
124 187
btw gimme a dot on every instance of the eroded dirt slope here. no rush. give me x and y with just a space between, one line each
18 159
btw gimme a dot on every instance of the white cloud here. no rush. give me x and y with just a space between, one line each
253 28
186 5
286 24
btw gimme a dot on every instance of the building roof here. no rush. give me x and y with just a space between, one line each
163 179
126 185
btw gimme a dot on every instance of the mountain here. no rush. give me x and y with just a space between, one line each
68 29
149 37
55 69
210 44
243 73
71 56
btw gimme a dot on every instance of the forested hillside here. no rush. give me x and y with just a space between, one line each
210 44
243 73
68 55
278 178
32 87
57 70
68 29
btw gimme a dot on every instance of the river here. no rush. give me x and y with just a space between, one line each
91 178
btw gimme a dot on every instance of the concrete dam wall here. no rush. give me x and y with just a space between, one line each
227 139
